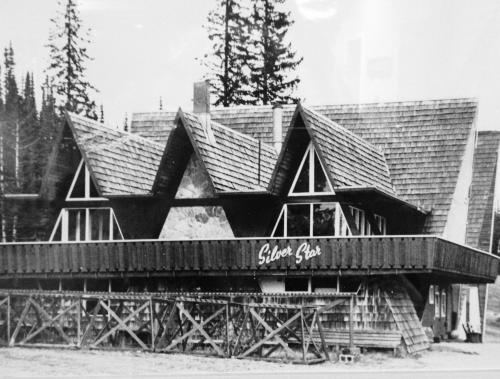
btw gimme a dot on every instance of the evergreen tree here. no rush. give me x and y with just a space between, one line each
273 60
1 94
229 30
50 124
68 55
101 119
10 126
28 137
125 123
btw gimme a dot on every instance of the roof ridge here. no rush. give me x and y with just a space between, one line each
103 127
152 113
406 102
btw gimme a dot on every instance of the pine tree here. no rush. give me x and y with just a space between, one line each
68 55
1 93
274 60
125 123
101 119
10 126
229 30
50 124
29 130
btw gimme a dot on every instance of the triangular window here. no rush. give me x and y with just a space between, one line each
82 186
311 176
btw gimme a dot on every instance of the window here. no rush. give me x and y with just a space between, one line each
437 304
382 224
82 188
86 224
321 219
311 220
311 176
443 303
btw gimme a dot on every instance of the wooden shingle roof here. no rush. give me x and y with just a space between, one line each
234 161
119 162
153 125
423 142
351 160
482 191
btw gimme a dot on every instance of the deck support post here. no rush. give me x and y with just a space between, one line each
351 322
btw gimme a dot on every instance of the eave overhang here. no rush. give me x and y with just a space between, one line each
375 195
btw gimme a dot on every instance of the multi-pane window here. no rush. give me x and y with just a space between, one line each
86 224
311 177
321 219
363 224
318 219
311 220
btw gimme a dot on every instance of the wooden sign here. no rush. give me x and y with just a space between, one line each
303 253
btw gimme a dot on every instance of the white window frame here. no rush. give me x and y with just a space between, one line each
339 226
62 220
309 156
87 183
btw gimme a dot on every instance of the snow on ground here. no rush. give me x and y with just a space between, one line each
72 363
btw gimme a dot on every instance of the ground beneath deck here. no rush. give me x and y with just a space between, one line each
15 362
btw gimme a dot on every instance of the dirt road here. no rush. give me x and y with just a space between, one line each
458 357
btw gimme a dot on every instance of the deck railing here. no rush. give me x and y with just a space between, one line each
253 256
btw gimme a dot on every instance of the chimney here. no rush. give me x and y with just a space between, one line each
201 107
277 126
201 97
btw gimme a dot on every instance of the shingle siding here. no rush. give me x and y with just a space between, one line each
482 190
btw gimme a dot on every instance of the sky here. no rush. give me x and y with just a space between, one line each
354 50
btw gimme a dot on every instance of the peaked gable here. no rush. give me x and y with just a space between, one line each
348 159
120 163
234 161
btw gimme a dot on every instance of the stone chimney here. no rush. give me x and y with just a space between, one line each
277 127
201 107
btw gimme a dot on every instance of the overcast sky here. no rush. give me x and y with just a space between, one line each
354 50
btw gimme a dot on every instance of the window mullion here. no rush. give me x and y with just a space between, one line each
87 183
88 225
311 169
64 225
110 236
311 219
285 221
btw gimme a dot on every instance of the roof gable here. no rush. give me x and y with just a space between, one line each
234 161
120 163
349 160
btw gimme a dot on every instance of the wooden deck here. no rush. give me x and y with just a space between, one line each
375 255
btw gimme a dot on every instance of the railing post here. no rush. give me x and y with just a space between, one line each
227 330
79 323
302 333
152 320
8 318
351 321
